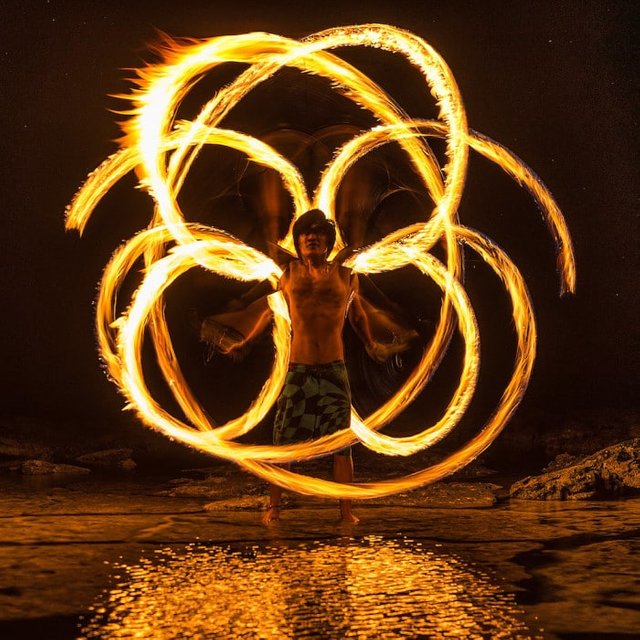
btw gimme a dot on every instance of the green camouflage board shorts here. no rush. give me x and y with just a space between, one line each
315 401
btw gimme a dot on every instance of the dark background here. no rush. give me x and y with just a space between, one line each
555 82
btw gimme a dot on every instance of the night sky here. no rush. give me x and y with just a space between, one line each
556 82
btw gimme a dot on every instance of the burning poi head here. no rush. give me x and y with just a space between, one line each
161 149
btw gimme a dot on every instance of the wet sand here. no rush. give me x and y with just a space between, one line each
102 559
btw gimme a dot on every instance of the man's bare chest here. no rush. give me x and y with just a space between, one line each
320 289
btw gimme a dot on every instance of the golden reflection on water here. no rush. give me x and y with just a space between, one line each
368 588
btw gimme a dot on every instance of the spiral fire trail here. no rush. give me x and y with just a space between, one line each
162 149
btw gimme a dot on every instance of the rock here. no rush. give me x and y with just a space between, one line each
242 503
475 469
234 485
447 495
561 461
12 448
42 467
127 465
11 465
611 472
201 472
111 459
213 488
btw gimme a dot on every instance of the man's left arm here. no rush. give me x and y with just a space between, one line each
381 333
356 314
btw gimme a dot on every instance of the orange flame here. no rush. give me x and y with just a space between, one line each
161 151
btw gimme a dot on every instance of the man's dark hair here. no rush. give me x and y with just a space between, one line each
314 218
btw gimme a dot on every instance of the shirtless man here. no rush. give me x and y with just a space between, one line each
315 399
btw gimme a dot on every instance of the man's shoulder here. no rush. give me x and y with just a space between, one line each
290 266
289 272
348 276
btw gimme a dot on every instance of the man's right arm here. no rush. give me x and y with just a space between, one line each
256 292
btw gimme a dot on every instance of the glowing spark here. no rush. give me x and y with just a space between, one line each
161 151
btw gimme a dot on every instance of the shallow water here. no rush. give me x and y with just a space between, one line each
351 588
98 559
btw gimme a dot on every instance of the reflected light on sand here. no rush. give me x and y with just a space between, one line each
370 588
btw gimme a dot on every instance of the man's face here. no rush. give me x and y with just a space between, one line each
313 242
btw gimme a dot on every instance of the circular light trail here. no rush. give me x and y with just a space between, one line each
161 150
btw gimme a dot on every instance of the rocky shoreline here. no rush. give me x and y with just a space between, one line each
611 472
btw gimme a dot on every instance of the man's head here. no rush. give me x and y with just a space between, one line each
312 225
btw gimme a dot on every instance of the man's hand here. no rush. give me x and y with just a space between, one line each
381 351
222 339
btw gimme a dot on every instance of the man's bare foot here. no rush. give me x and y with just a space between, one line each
349 518
272 514
346 515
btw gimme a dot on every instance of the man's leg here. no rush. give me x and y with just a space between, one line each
343 472
273 510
